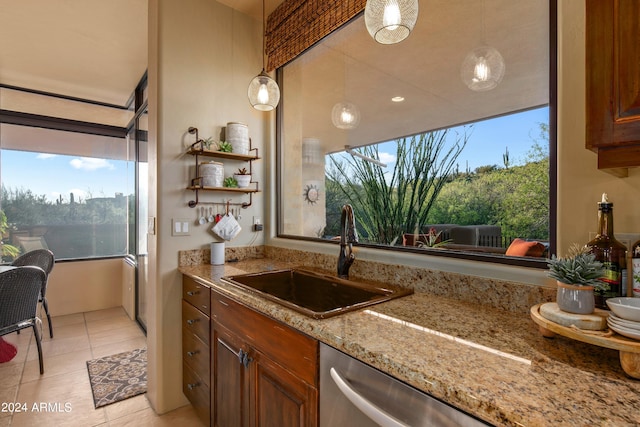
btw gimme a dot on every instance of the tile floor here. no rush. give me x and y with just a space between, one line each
77 338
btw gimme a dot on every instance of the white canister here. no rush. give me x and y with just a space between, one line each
237 135
217 253
212 174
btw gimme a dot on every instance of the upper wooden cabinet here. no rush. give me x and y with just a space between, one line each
613 83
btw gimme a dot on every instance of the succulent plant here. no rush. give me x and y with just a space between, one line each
206 143
230 182
579 267
225 147
242 171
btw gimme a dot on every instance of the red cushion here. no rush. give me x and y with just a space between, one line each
7 351
521 247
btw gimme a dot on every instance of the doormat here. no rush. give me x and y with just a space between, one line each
118 377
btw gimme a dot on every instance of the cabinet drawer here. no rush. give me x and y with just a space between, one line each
273 338
195 353
197 392
195 321
196 294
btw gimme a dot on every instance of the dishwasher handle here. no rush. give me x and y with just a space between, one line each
366 407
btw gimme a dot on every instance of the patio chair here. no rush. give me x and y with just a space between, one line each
19 293
44 259
30 243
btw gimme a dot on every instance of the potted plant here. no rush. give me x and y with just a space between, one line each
206 143
578 274
433 239
225 147
7 252
243 178
230 182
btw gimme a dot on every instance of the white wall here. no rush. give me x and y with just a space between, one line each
202 57
79 286
580 183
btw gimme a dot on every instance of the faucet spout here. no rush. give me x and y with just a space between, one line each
348 236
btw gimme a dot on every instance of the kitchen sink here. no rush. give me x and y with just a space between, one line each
313 294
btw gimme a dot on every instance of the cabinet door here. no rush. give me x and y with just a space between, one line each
230 398
281 399
613 82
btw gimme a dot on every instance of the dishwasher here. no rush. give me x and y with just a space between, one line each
354 394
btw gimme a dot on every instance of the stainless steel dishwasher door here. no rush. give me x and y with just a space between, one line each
354 394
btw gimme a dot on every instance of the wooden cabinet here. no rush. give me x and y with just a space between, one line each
264 372
196 353
613 83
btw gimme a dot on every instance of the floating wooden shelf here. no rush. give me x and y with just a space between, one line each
229 189
197 149
224 155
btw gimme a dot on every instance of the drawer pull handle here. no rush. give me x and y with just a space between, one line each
192 293
192 353
192 321
223 303
191 386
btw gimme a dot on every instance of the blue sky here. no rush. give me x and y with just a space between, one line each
53 175
490 138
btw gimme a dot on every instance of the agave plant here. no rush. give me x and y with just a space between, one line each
225 147
579 267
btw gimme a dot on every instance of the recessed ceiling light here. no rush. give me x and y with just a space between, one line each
397 98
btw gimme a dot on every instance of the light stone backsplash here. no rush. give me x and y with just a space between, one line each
500 294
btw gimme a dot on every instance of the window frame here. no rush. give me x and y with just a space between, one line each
472 256
66 125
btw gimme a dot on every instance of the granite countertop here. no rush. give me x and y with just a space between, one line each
489 362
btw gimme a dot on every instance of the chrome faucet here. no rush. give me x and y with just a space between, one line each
348 235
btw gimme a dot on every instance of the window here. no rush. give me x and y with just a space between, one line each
66 184
431 163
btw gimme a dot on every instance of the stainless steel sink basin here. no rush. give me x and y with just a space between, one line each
313 294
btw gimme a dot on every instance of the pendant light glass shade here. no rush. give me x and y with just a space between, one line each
345 115
482 69
390 21
263 92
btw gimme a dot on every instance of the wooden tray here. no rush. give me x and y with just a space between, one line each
629 349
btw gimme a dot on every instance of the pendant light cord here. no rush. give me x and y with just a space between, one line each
264 37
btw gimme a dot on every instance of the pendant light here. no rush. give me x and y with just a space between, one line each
345 115
483 68
263 92
390 21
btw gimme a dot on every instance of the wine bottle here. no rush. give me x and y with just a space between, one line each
635 269
610 252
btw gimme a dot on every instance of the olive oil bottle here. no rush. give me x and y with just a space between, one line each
610 252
